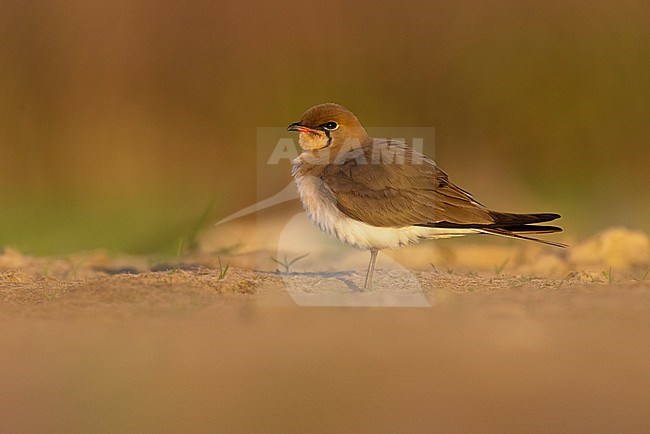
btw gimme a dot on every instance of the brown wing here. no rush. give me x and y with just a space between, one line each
410 190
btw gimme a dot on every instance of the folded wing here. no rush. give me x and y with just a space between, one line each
413 191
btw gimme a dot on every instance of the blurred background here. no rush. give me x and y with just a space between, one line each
131 125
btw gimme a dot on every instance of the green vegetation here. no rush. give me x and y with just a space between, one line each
286 263
223 270
643 277
163 225
499 268
609 276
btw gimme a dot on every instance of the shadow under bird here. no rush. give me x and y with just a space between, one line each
377 194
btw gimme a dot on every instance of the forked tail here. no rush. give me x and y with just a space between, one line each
513 225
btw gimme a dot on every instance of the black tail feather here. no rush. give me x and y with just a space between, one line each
533 229
511 225
505 219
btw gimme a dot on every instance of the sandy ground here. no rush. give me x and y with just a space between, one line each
94 342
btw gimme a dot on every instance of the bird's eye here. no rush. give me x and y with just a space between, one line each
331 126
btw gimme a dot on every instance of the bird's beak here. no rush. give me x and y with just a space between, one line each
297 126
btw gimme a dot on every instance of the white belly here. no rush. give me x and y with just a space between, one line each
320 206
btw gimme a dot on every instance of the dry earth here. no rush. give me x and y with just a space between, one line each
95 342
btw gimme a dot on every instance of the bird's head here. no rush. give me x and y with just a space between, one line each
329 126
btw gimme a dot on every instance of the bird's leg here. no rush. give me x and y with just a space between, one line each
371 269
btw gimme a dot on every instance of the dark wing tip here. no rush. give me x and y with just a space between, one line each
504 219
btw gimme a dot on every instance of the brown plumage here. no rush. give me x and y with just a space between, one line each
376 193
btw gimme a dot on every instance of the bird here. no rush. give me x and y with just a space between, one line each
376 194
